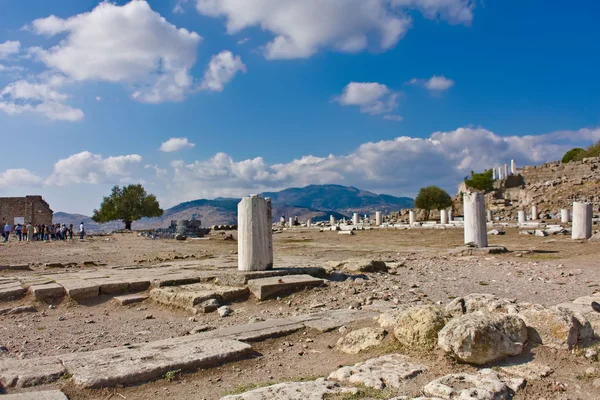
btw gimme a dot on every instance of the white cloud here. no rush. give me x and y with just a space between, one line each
437 83
175 144
86 167
98 98
242 41
302 28
372 97
178 9
10 68
18 178
396 118
129 44
9 48
221 70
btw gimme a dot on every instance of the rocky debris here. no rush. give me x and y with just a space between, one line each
531 371
551 327
361 339
496 232
224 311
479 338
210 305
419 326
312 390
264 288
390 370
480 302
17 310
43 395
364 265
485 385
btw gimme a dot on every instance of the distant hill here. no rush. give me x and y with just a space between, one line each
317 202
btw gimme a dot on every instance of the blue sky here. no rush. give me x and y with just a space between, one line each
385 95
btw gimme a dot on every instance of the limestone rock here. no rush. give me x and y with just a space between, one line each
485 385
552 327
361 339
390 370
531 371
224 311
480 302
312 390
480 338
419 326
210 305
365 265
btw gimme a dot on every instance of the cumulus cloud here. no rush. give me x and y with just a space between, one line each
302 28
86 167
435 83
178 9
396 118
221 70
18 178
371 97
176 144
9 48
10 68
130 44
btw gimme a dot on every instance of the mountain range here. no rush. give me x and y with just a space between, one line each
317 202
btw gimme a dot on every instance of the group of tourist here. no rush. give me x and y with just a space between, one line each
34 232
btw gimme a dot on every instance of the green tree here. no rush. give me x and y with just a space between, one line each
432 198
573 155
129 203
481 181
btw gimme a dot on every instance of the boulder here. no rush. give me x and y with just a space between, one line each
551 327
361 339
365 265
485 385
480 302
419 326
480 338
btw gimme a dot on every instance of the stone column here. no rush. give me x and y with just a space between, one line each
355 219
505 171
494 174
582 221
443 217
378 219
308 223
332 220
412 217
291 222
565 216
513 167
255 240
450 217
534 213
522 219
475 227
489 216
500 173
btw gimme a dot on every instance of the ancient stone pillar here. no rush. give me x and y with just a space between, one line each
450 217
534 213
355 219
513 167
500 176
505 171
332 220
443 217
412 217
522 218
291 222
308 223
582 221
494 174
489 216
255 240
378 219
475 227
565 216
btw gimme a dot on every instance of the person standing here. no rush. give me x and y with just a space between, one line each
70 231
6 231
81 231
18 231
29 232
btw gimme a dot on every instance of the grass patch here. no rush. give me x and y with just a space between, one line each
171 375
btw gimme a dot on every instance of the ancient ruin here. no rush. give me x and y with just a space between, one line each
24 210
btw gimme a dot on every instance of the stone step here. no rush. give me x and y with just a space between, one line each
131 298
50 290
11 290
267 287
191 296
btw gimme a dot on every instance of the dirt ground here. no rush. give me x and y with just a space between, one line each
545 270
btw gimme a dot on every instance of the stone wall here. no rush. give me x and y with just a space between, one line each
32 208
555 170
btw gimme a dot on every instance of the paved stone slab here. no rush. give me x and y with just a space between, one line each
391 370
531 371
81 289
175 280
312 390
138 284
190 296
131 298
239 278
15 267
256 331
47 291
113 286
486 384
123 366
267 287
30 372
43 395
11 291
329 320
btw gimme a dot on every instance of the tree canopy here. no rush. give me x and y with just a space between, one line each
129 203
578 154
432 198
481 181
572 154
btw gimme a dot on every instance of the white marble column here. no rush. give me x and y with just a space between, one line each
443 217
475 227
355 219
505 171
513 167
521 217
489 216
378 219
565 216
534 213
412 217
291 222
308 223
255 241
582 221
450 217
332 220
500 176
494 174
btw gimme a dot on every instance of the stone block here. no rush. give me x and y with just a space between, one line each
190 296
131 298
267 287
30 371
80 289
11 291
113 287
15 267
43 395
138 284
42 292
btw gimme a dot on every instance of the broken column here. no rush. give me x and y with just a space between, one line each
489 216
565 216
534 213
582 221
505 171
332 220
255 240
443 217
291 222
522 218
378 219
500 176
412 217
308 223
494 174
450 217
475 227
513 167
355 219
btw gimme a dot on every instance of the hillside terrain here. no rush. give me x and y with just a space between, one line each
317 202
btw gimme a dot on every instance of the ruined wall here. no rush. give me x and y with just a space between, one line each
573 170
32 208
